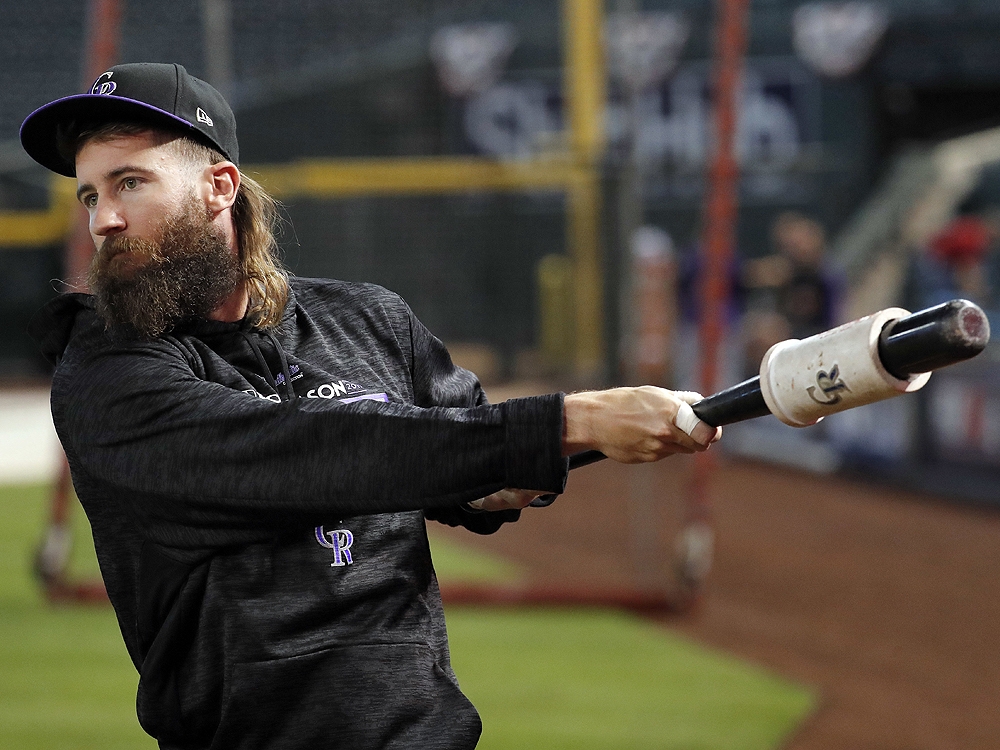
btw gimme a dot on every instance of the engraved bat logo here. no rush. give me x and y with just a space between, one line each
830 385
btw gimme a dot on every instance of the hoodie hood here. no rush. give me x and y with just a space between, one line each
52 326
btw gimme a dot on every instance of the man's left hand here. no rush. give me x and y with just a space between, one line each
507 499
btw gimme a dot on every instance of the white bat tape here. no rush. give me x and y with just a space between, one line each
686 419
803 381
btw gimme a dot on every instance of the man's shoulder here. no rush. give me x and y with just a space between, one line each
62 319
359 311
340 296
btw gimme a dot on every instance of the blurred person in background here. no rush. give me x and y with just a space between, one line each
792 293
257 454
690 300
961 260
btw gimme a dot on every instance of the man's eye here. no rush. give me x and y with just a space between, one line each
130 183
90 201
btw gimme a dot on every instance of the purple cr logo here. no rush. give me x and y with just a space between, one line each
340 541
104 85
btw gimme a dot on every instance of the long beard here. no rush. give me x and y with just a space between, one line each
143 288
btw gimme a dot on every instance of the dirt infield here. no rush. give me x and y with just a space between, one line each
886 602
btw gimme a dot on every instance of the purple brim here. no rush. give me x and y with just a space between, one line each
40 130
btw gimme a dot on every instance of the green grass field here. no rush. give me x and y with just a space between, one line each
67 682
541 678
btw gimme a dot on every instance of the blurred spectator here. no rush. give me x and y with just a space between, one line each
792 293
688 353
959 261
689 287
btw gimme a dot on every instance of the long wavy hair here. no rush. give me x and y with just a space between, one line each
255 217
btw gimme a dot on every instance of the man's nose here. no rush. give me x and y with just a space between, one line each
106 219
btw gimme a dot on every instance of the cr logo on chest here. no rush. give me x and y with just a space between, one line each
340 541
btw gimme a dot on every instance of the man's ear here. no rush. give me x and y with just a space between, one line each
222 184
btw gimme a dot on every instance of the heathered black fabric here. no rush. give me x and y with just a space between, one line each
221 505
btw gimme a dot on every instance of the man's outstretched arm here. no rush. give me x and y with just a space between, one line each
629 425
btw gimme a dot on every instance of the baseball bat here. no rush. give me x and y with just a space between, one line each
861 362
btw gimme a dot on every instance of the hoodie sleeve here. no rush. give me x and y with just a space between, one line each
437 381
134 418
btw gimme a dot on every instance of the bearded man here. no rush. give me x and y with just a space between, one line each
257 456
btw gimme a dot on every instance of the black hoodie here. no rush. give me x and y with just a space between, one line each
258 502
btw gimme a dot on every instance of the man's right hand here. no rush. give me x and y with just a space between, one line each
635 425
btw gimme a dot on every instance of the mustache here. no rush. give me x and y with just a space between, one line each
121 245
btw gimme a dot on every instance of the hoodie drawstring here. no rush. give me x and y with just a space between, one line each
286 371
284 365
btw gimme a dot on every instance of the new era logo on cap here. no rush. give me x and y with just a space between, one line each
158 94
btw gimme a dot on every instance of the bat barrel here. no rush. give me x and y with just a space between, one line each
933 338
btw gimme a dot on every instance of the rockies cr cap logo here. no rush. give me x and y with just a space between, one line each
104 84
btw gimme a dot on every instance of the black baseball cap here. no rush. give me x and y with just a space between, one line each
158 94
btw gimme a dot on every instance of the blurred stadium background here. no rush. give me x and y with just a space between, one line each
532 177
